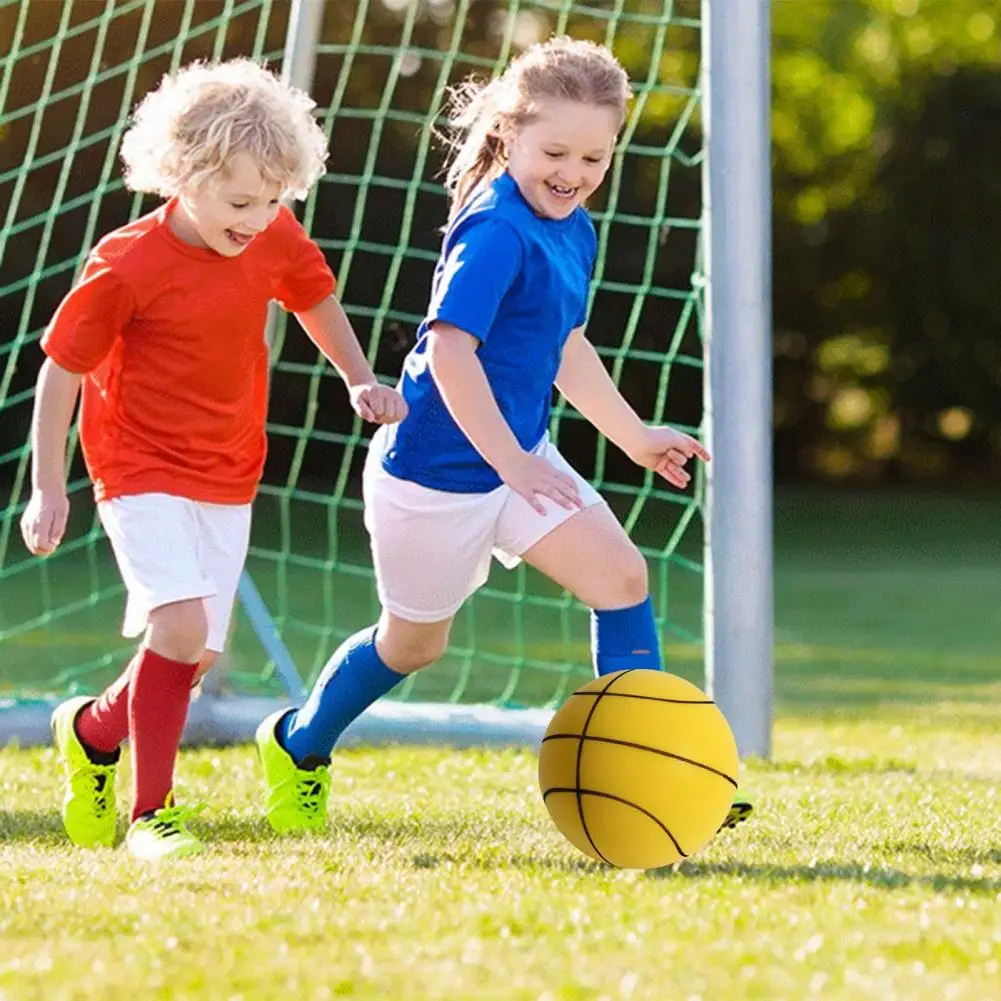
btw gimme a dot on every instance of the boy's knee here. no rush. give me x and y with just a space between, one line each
179 630
204 666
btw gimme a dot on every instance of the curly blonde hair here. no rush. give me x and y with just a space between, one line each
481 115
185 132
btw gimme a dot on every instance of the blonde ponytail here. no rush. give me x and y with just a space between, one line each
475 147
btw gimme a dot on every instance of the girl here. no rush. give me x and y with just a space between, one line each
471 471
165 331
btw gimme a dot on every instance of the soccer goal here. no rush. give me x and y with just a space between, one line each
378 70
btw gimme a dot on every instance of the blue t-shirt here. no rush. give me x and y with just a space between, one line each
519 284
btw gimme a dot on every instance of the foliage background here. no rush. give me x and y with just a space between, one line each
887 210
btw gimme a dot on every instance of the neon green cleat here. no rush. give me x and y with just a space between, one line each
740 810
89 813
297 797
164 833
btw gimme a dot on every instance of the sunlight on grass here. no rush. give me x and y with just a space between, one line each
871 870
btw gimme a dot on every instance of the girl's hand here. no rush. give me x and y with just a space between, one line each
44 521
378 404
667 451
532 477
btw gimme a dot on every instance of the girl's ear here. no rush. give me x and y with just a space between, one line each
498 147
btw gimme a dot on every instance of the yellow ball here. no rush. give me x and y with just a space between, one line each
638 769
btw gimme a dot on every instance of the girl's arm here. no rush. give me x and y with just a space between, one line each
330 330
585 382
467 394
44 520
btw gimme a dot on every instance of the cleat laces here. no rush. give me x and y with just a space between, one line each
99 779
311 791
170 821
101 798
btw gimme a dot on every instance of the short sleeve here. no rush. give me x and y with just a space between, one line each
90 319
480 263
591 241
307 279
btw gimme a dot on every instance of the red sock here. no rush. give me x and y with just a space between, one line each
104 724
158 707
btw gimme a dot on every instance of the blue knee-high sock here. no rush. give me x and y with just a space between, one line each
623 638
351 681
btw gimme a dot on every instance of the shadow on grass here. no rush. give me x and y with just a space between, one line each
31 825
875 876
493 853
933 853
404 835
230 830
879 878
438 860
46 826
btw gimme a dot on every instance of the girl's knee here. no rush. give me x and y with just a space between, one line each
635 577
626 582
413 655
408 647
179 630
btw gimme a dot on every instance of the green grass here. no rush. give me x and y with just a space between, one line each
872 869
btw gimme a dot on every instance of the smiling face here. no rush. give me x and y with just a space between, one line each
560 158
226 213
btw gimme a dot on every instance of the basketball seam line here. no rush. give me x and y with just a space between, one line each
625 802
641 747
580 753
645 698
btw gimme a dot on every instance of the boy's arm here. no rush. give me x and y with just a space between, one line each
44 520
585 382
330 330
467 394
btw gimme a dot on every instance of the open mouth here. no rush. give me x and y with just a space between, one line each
238 239
562 193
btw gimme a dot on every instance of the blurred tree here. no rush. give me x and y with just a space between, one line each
887 193
887 196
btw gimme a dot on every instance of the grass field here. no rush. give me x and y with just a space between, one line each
872 868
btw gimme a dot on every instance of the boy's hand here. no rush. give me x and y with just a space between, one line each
378 404
44 521
666 452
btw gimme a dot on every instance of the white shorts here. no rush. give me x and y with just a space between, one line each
174 549
431 548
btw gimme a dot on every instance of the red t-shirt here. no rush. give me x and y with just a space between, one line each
171 339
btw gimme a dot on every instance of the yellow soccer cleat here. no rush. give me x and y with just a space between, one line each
164 834
740 810
297 796
89 813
